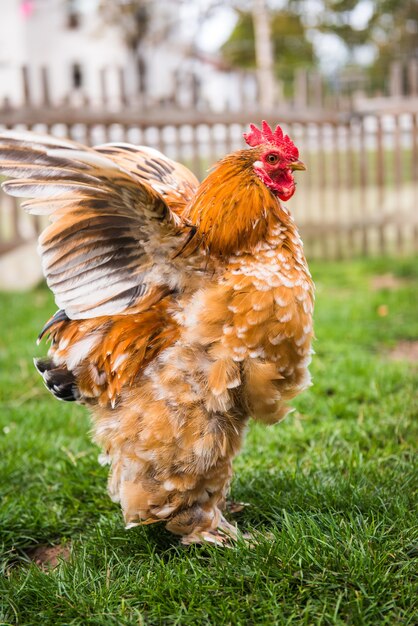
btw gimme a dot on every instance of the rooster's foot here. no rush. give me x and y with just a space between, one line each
233 506
224 535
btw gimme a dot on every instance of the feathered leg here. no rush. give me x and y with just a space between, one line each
172 462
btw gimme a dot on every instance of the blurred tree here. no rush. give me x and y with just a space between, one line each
337 17
140 22
392 23
263 53
390 27
291 47
394 32
131 17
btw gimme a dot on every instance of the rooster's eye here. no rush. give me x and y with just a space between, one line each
272 158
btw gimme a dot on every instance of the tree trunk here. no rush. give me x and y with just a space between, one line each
263 54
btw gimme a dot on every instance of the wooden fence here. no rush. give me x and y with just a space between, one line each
359 195
118 88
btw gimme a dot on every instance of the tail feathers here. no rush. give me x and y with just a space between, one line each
58 380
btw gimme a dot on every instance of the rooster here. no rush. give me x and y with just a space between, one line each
184 310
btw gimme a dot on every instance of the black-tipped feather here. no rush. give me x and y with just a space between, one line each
59 316
58 380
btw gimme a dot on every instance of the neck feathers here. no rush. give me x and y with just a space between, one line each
233 210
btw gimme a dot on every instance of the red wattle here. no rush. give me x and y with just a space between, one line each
283 185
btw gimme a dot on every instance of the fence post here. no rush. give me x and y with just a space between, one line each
103 87
415 173
301 89
413 77
122 87
27 95
397 156
336 174
46 96
318 91
380 180
395 79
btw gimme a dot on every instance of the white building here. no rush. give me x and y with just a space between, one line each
70 38
62 35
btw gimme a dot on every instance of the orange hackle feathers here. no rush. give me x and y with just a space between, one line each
185 309
232 209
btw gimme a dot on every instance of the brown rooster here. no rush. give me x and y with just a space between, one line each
185 309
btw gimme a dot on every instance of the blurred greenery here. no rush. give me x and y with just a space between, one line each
290 44
388 27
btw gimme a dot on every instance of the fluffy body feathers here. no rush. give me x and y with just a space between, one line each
184 310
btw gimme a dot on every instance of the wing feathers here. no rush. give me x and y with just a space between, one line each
46 189
119 348
92 255
61 230
31 139
108 264
87 158
47 206
40 172
105 204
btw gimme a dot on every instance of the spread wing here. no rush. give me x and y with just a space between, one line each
173 181
116 217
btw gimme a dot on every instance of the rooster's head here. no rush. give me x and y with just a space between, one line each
276 159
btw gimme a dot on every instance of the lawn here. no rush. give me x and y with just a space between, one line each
332 490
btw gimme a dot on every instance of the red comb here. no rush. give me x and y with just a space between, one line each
257 137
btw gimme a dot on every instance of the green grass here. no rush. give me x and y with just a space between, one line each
333 489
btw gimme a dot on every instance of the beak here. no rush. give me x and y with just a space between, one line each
297 165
